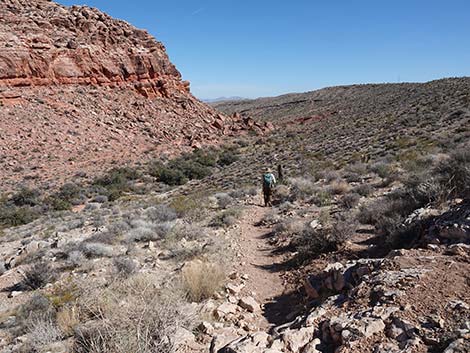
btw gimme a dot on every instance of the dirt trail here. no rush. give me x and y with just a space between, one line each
260 263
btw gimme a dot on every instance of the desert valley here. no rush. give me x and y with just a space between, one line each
132 216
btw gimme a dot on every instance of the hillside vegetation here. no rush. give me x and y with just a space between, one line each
366 248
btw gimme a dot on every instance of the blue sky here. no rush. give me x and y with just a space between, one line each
269 47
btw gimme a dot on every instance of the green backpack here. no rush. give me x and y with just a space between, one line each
268 181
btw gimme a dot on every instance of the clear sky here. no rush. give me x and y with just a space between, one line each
269 47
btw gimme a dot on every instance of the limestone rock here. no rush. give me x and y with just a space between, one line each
225 309
250 304
295 340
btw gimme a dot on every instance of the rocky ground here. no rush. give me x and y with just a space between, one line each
366 248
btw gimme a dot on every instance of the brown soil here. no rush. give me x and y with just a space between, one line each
262 265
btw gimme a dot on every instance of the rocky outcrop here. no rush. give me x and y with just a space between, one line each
48 44
79 89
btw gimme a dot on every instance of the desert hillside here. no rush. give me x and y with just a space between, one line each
79 89
132 215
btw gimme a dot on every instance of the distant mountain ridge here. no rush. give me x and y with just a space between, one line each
223 99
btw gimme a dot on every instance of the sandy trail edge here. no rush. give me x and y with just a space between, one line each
258 261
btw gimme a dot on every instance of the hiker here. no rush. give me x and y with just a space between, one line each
269 181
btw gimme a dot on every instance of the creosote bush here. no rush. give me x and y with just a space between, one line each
226 218
38 275
349 200
311 243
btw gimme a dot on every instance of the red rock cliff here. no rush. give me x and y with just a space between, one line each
81 91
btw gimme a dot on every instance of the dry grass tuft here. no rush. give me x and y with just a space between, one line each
201 279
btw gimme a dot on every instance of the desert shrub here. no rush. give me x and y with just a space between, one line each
26 197
167 175
321 197
382 169
343 228
281 194
289 227
142 232
206 158
188 231
363 189
38 307
226 218
76 258
190 207
331 175
349 200
242 192
223 199
357 168
286 206
160 213
118 227
454 174
67 320
38 275
13 216
100 199
201 279
69 193
301 188
190 169
423 189
339 187
227 157
269 219
353 177
125 266
57 204
163 229
43 332
313 242
385 207
71 224
91 250
105 237
116 182
131 315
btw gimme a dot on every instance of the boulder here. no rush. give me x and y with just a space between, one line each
225 309
295 340
250 304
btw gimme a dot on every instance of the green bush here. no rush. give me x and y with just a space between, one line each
191 169
117 181
454 174
227 157
26 197
12 216
172 177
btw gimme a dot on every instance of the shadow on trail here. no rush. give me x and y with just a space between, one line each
283 308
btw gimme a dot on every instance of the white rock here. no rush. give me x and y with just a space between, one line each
260 339
224 310
250 304
297 339
315 315
234 289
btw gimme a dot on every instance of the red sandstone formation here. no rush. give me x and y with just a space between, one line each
80 91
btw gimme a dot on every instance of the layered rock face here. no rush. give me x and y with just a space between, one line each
80 91
49 44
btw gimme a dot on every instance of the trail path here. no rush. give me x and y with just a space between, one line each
260 263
